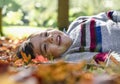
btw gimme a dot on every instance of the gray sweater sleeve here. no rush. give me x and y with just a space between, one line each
104 16
110 15
87 56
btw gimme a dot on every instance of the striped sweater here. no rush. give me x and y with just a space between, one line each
93 35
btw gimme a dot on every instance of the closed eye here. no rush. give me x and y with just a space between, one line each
46 34
45 48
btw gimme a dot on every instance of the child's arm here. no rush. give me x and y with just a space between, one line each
104 16
88 56
110 15
94 56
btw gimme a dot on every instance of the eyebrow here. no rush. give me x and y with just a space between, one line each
40 34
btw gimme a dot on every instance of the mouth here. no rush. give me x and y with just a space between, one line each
58 40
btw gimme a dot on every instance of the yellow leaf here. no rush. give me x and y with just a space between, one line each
26 58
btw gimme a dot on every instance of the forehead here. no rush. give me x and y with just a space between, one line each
39 33
36 36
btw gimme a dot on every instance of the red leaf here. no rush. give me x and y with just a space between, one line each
40 58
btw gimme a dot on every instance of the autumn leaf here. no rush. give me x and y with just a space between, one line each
18 63
40 58
26 58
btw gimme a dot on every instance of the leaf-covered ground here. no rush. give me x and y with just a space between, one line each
15 71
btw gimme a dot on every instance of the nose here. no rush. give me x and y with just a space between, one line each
50 39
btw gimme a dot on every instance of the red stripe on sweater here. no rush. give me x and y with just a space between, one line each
93 36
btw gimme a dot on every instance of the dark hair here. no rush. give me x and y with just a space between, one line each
27 48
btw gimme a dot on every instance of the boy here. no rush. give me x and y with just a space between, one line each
86 37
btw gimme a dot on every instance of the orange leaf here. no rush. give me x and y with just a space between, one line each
26 58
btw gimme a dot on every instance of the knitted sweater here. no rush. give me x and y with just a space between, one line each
93 35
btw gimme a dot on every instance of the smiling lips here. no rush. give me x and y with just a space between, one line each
58 39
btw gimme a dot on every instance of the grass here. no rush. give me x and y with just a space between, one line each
19 32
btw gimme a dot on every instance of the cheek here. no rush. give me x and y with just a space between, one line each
54 50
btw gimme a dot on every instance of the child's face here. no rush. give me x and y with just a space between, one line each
50 43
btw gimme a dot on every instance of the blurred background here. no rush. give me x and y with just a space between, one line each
19 18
